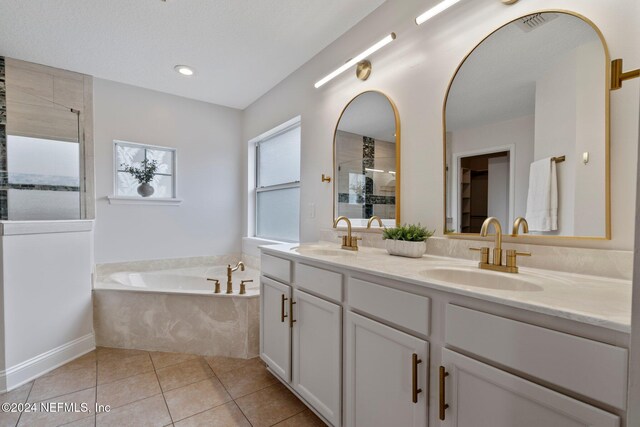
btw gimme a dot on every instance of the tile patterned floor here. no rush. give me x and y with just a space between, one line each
160 389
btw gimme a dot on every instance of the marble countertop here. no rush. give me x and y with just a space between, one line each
592 300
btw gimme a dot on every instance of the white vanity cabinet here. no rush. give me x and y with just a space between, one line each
365 350
386 375
479 395
275 332
301 336
317 351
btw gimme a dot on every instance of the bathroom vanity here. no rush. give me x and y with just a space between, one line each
367 339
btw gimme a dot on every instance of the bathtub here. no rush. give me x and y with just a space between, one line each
177 310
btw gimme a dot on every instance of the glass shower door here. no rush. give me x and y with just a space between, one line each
43 160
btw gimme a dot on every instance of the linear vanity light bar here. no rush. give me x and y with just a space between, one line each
385 41
440 7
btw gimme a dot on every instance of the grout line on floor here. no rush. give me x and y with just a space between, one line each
234 399
296 414
155 371
60 395
26 400
95 413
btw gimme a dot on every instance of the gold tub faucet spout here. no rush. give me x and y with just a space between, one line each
230 270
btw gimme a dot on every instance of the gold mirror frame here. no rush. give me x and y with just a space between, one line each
398 146
607 65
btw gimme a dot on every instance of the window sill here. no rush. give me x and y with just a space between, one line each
122 200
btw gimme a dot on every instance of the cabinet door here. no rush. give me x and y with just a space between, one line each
380 385
317 354
275 332
480 395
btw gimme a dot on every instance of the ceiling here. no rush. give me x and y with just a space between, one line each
239 48
501 73
370 114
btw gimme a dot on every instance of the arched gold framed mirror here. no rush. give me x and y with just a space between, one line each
526 130
366 160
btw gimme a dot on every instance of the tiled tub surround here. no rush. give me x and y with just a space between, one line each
177 310
161 389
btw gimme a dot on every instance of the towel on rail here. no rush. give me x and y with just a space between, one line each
542 199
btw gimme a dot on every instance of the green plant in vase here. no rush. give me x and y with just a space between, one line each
144 174
407 240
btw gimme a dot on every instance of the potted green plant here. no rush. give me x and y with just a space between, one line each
407 240
144 175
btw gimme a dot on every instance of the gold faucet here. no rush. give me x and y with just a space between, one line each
217 285
349 242
374 218
497 250
512 254
230 270
243 287
516 226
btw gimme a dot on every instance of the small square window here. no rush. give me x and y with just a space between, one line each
133 154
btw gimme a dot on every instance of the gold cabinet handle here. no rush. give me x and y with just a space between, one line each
291 319
282 315
414 378
443 406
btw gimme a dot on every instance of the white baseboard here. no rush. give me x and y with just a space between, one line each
28 370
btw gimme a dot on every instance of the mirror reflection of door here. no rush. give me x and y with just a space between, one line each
484 189
539 85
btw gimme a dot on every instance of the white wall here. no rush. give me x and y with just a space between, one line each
568 98
209 150
555 133
589 177
415 71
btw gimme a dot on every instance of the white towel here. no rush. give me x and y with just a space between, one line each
542 200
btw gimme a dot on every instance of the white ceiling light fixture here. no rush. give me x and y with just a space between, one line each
440 7
444 5
184 70
385 41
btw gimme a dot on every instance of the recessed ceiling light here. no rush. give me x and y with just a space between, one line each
184 70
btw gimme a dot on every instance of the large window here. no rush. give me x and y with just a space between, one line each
278 184
132 154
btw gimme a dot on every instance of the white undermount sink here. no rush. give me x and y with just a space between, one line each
322 251
475 277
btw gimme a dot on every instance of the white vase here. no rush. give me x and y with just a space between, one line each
406 249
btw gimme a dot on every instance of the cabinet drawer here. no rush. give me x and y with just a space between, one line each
398 307
276 268
587 367
319 281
